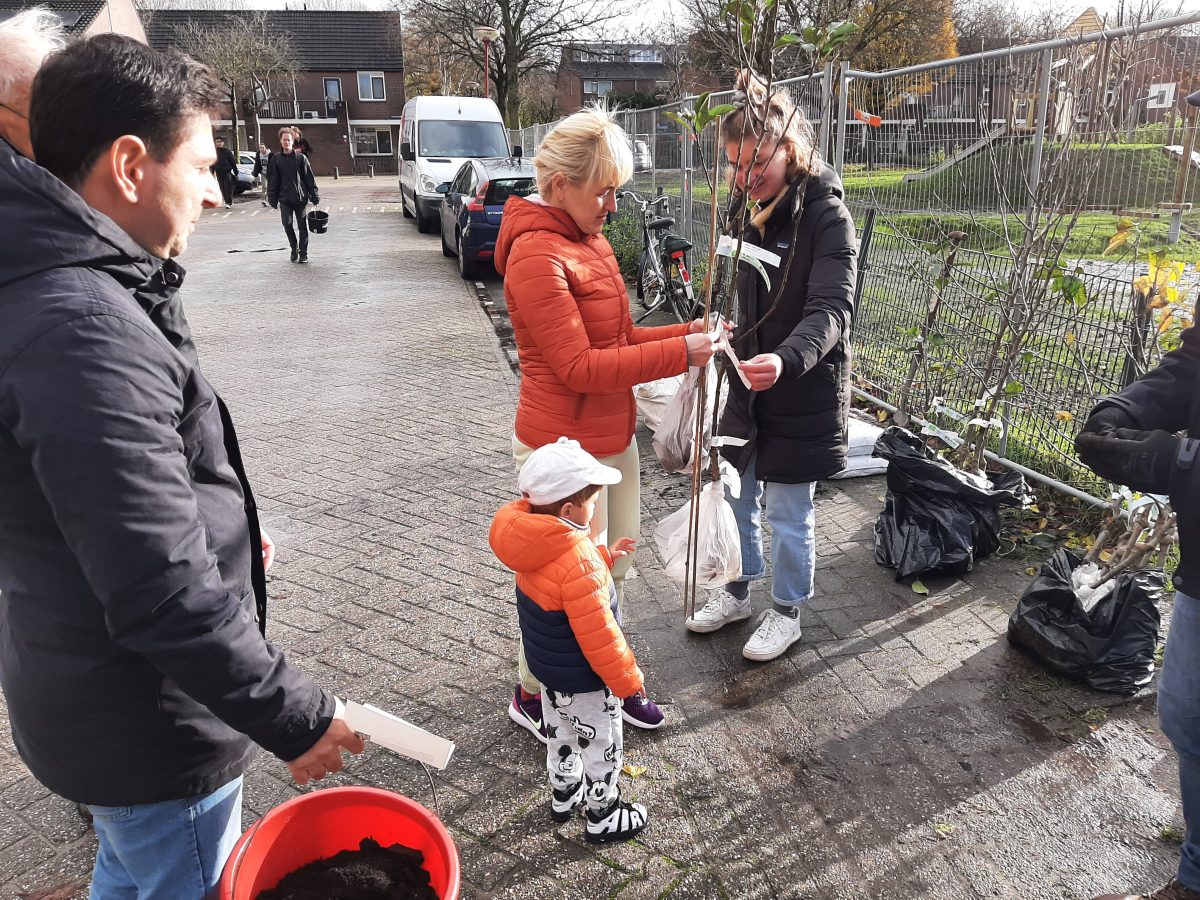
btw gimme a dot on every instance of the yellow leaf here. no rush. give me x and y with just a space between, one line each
1042 523
1105 555
1031 570
1165 322
881 415
1033 508
1069 337
1117 240
1063 416
633 771
1142 284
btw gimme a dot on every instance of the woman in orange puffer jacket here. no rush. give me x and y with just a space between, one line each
580 353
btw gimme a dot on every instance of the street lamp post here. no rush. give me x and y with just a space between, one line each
486 34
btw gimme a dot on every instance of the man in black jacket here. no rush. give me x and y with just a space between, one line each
225 168
1133 438
136 677
290 185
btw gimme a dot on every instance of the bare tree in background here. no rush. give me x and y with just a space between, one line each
242 52
996 24
532 33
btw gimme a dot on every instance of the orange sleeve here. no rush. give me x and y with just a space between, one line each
585 601
660 333
538 285
605 554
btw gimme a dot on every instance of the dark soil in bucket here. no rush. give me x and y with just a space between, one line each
371 872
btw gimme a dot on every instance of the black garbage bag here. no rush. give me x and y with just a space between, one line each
1111 646
937 519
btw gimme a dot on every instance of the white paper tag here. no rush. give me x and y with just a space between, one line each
396 734
727 246
733 358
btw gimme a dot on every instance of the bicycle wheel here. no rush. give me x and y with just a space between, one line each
683 300
650 284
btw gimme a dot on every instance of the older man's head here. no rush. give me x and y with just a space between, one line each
26 40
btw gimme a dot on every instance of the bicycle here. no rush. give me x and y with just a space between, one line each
663 277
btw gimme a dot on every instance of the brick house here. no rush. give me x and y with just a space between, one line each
84 18
346 95
590 72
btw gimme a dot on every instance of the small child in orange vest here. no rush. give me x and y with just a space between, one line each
566 604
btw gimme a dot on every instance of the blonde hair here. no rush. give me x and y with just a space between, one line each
773 117
588 148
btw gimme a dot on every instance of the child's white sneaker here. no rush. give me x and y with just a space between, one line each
774 634
564 804
721 609
620 822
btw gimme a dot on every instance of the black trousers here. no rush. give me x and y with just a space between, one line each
225 180
286 212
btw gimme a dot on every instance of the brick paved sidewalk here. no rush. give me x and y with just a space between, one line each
901 749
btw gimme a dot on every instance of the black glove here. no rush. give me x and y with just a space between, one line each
1109 418
274 206
1143 460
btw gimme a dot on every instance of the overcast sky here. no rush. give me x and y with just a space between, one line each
652 13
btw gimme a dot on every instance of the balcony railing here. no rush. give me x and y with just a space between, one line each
299 109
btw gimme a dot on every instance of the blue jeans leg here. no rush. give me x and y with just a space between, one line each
790 514
1179 715
173 850
747 509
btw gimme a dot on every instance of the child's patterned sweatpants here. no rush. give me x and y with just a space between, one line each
584 732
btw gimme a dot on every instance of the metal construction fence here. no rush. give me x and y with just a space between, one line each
989 144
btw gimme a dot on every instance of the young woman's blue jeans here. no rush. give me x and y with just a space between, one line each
790 513
1179 715
173 850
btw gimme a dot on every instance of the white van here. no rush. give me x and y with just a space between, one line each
437 134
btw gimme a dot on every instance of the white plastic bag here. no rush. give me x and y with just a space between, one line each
718 549
653 398
673 438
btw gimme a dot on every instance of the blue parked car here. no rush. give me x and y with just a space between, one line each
472 204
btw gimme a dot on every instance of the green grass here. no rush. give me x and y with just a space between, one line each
1087 239
1127 177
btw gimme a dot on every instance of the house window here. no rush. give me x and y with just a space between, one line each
597 88
370 141
1161 96
370 86
333 95
645 55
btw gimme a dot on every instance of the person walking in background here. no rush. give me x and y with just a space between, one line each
25 40
132 658
290 188
262 165
795 345
570 629
225 168
302 145
580 353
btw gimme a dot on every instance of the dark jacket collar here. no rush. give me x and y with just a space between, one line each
49 226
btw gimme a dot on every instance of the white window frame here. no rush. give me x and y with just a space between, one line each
376 130
371 80
1161 95
645 55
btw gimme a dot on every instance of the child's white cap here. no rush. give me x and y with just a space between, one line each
556 471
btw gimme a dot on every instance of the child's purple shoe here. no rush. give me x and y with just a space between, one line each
642 712
528 714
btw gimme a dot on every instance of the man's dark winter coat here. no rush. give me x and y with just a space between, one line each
290 178
798 426
226 163
1168 398
130 654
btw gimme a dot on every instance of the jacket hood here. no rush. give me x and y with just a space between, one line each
526 541
49 226
521 216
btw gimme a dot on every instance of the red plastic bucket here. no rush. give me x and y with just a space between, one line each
320 824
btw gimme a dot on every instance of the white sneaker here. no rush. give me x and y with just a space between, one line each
774 634
721 609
